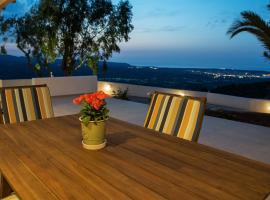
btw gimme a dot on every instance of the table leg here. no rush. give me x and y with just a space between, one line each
5 189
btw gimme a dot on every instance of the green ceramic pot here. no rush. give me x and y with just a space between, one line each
94 135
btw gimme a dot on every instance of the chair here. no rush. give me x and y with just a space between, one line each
176 115
25 103
11 197
6 192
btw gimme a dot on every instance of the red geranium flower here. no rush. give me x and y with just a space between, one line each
89 99
102 95
96 100
78 100
97 103
94 106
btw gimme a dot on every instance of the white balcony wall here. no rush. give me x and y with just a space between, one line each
60 86
240 103
143 91
247 104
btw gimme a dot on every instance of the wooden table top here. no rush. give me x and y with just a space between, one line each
44 160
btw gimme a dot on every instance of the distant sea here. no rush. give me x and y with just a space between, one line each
221 67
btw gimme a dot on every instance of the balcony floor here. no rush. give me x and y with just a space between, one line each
248 140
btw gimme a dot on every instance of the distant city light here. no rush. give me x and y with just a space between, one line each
107 88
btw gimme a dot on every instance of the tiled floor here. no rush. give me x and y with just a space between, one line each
240 138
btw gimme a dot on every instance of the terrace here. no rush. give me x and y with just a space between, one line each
244 139
46 157
247 140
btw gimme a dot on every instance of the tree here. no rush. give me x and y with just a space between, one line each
254 24
80 32
34 37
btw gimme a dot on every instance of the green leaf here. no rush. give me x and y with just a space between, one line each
86 120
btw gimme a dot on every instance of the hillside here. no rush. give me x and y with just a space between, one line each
12 67
244 83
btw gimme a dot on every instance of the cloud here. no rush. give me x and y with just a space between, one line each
223 18
216 23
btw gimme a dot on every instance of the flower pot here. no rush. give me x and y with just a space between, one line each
94 135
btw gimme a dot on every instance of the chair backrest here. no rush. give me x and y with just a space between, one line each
176 115
25 103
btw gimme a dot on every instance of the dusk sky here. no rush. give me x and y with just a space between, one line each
186 33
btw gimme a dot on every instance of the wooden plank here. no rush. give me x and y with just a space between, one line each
137 164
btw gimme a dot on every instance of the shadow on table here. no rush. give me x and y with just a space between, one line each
118 138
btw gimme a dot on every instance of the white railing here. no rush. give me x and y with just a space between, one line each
245 104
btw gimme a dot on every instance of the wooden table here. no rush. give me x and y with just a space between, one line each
44 159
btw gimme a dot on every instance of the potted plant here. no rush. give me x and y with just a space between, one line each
93 117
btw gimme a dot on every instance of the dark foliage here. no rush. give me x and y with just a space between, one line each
120 94
80 32
254 24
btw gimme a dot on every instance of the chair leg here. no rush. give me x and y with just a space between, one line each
5 189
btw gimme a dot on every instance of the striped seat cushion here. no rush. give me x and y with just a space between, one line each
19 104
176 115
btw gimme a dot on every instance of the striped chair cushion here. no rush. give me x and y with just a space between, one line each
25 103
176 115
